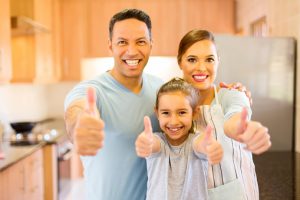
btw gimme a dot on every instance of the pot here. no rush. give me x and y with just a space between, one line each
22 127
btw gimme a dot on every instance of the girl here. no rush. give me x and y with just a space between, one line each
228 112
176 158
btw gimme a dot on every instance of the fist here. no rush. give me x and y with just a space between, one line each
212 148
88 132
253 134
144 142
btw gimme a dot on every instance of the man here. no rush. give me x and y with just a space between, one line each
124 96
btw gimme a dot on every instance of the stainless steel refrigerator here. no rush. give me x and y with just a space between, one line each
266 66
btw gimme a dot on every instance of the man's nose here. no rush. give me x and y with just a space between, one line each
132 49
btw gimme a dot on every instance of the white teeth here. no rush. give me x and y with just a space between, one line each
174 129
132 62
200 77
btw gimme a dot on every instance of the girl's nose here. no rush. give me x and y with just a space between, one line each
174 119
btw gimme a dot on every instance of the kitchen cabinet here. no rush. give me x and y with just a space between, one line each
24 179
50 172
34 53
73 36
170 21
5 47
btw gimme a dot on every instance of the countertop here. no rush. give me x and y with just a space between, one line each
13 154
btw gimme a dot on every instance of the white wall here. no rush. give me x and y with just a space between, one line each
31 102
164 67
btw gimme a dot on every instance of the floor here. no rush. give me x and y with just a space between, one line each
71 190
278 176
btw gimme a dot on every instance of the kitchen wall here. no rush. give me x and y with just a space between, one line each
283 19
33 102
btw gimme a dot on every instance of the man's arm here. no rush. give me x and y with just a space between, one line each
71 114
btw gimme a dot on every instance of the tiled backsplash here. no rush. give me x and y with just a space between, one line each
32 102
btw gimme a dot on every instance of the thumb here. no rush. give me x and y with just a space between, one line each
223 85
243 121
208 134
91 101
148 126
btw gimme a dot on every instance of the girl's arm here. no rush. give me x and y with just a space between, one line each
205 143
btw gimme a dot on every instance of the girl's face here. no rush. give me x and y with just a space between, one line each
199 64
175 116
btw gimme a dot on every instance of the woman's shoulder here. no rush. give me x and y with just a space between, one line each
225 94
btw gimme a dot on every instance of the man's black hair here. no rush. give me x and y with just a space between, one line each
128 14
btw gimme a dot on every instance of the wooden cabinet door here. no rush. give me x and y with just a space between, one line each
5 47
16 182
4 185
73 34
33 175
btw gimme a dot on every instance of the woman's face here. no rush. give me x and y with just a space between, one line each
199 64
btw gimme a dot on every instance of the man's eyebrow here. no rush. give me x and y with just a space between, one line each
121 38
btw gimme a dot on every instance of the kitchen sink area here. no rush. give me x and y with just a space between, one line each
39 166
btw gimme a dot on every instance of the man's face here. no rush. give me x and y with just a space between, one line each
131 47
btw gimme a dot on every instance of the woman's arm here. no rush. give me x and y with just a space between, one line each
251 133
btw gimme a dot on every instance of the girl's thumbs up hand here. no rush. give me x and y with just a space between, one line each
209 146
144 142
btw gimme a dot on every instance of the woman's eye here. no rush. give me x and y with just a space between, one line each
192 60
210 60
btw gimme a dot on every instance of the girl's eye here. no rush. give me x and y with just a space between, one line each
192 60
182 113
165 113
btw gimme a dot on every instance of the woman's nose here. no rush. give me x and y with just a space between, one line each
201 66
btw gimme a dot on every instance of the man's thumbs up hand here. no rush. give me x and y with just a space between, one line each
144 142
89 129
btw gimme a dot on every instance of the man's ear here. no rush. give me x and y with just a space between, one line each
109 42
151 44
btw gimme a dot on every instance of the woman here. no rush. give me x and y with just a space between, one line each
228 112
